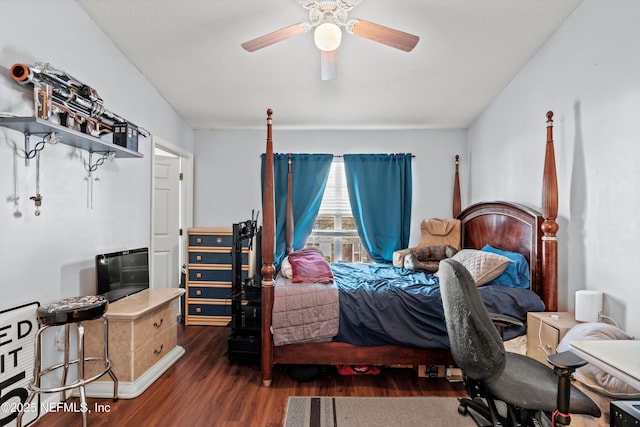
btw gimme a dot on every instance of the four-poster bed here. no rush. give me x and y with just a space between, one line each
504 225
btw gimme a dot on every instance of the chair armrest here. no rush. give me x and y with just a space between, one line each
566 361
564 364
504 320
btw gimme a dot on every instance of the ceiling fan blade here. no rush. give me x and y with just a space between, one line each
275 37
385 35
328 64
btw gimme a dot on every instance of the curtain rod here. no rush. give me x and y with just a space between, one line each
413 156
342 155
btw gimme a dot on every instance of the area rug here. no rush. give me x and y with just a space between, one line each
374 411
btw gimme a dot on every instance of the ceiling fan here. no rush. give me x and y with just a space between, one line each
327 17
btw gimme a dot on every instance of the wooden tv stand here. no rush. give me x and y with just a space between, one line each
143 336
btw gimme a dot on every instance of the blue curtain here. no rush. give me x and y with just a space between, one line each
380 189
310 173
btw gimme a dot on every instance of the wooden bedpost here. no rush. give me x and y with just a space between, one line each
457 205
550 226
289 221
268 249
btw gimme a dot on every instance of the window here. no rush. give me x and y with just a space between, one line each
334 231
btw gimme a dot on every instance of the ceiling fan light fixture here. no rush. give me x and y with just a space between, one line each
327 36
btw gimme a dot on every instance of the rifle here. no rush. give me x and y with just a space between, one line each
65 100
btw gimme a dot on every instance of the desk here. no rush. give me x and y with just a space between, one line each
617 357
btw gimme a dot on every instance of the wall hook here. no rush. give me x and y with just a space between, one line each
37 199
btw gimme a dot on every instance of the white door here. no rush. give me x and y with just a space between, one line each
166 221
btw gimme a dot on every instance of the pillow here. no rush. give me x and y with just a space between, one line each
483 266
285 268
590 375
308 265
517 272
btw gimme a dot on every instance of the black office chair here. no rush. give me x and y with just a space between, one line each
530 391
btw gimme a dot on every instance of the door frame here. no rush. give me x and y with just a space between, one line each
186 198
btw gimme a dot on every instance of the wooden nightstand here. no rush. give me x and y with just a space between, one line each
544 332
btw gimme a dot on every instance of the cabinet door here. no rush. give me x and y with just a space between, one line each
542 339
549 339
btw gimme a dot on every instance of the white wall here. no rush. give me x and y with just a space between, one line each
47 257
587 73
226 191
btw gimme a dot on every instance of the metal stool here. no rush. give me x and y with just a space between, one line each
68 312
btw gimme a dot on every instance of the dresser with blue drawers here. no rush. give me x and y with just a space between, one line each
209 276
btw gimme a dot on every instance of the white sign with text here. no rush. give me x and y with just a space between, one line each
18 327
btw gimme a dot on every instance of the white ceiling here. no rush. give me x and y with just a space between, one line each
190 51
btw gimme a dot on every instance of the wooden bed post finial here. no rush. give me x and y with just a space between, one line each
457 205
268 249
550 226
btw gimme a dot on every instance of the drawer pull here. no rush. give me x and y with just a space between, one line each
198 310
198 275
157 352
198 292
198 257
156 324
198 240
218 239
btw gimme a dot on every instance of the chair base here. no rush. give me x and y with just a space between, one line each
506 416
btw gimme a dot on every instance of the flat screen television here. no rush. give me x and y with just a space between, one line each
123 273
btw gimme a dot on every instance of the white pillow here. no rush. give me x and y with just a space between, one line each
590 375
285 268
483 266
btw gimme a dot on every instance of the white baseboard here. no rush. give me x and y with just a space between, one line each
128 389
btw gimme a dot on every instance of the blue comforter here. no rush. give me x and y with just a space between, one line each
381 304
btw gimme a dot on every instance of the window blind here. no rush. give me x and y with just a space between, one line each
336 197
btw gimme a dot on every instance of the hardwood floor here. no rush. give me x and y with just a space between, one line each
204 389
